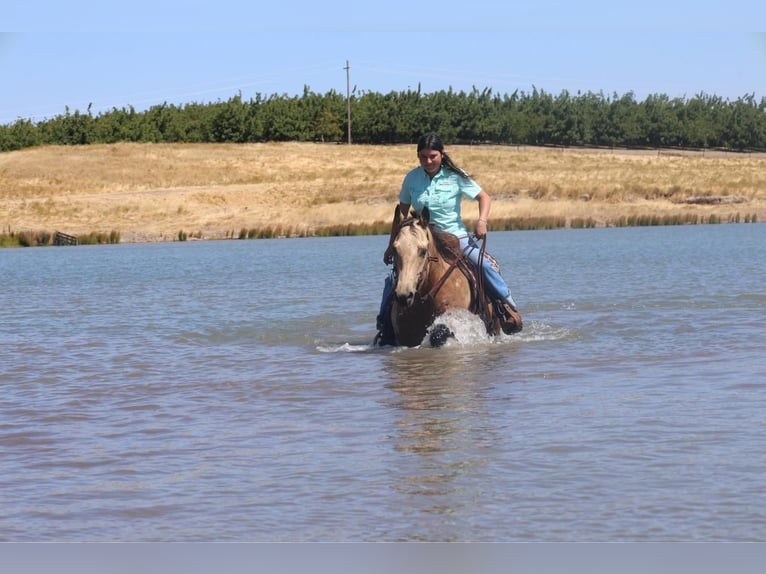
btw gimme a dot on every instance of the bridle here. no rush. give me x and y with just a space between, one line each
429 258
458 260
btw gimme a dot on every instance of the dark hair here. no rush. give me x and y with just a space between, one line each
434 142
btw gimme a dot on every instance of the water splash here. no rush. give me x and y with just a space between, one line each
467 328
345 348
467 331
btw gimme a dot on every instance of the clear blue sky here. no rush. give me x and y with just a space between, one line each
73 53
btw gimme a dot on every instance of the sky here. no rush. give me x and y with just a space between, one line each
74 54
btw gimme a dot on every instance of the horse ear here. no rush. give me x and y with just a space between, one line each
397 216
425 217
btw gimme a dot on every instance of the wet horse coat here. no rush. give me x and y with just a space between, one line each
430 282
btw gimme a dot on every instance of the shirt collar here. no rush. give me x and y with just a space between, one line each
438 174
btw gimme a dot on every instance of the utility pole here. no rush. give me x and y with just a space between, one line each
348 100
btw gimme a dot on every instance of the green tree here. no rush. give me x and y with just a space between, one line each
229 122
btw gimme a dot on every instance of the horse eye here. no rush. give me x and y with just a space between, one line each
422 251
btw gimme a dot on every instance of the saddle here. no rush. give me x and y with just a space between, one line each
448 246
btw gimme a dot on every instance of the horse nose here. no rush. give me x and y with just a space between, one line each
405 299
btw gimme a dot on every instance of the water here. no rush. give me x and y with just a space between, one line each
228 391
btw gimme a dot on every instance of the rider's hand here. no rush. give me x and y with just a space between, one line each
481 229
388 256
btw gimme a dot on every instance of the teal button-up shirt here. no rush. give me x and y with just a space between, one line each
442 195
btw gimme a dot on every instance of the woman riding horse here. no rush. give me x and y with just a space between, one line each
439 184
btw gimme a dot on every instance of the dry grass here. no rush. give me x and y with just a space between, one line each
149 192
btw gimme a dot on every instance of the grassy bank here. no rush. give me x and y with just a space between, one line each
146 192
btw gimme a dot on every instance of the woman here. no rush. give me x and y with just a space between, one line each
440 185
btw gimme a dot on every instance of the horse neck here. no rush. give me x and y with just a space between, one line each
436 265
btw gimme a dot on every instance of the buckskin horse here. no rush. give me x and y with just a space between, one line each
432 276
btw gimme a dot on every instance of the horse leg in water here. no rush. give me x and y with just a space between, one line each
439 335
411 321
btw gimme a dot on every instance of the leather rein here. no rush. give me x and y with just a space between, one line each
459 259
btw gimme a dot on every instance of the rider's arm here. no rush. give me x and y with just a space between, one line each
481 224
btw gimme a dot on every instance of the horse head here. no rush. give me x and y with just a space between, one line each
411 245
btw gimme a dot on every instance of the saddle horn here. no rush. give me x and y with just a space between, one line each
425 217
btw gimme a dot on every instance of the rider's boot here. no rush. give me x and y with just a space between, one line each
510 319
385 335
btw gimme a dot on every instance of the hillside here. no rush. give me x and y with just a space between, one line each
150 192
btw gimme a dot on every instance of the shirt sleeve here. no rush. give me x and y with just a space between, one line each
405 194
469 187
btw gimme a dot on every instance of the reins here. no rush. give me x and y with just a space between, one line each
459 258
480 271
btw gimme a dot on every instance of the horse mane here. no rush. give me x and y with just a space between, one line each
447 244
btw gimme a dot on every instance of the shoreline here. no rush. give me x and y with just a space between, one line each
621 216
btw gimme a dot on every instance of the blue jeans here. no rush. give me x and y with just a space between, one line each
496 286
385 302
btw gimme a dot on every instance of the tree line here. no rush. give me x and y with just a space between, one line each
524 118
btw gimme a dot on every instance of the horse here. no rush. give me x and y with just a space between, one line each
432 276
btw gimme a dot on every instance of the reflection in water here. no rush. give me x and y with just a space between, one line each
442 421
434 394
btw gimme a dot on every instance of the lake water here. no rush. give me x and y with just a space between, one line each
228 391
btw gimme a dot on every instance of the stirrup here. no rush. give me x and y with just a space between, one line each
510 319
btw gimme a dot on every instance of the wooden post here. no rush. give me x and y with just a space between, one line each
348 100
